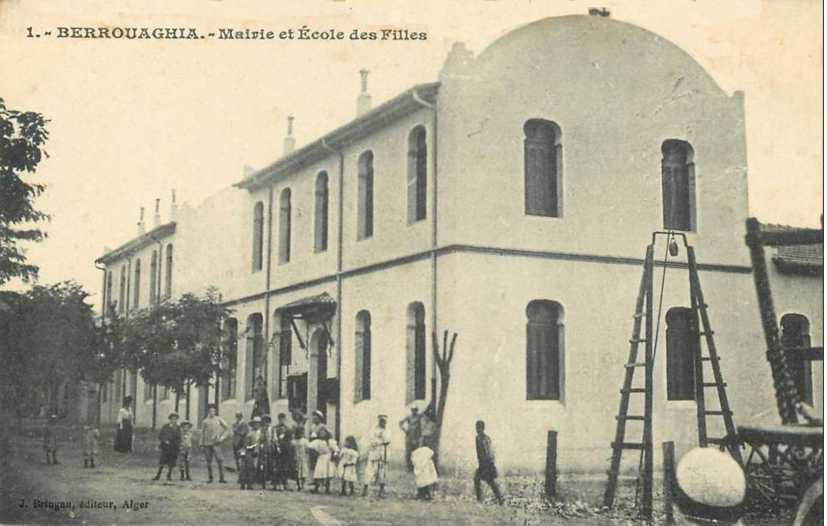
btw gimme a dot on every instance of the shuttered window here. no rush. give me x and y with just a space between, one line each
362 357
168 281
542 154
258 236
417 175
365 197
321 213
682 345
136 301
284 226
544 350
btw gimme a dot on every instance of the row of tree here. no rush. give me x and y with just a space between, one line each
50 338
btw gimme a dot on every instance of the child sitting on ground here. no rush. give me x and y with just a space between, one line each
348 457
424 472
91 435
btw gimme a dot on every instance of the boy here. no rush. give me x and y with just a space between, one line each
247 455
282 453
50 440
377 468
186 446
170 444
487 470
91 436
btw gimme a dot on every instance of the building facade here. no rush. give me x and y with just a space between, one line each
510 202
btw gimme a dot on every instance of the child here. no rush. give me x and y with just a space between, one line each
186 446
50 440
170 443
282 453
325 446
247 455
91 436
302 464
424 471
347 465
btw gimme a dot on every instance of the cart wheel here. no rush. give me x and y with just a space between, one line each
762 483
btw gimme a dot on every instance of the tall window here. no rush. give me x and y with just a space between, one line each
228 388
795 333
543 155
415 353
365 198
678 184
122 291
417 174
682 345
153 278
544 350
320 237
284 226
108 293
285 352
168 282
136 300
362 354
258 236
255 353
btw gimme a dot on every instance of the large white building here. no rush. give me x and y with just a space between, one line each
510 202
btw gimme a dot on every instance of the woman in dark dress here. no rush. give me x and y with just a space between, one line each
123 436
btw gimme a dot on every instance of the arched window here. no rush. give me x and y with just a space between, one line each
365 197
255 353
415 356
122 291
285 352
136 300
795 334
228 388
682 345
417 174
284 226
153 278
678 183
363 359
258 236
545 345
168 282
543 158
320 237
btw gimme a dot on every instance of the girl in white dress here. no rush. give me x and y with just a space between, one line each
348 457
424 471
325 446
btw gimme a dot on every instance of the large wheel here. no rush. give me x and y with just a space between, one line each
762 481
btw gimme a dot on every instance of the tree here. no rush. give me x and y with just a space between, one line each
22 137
443 361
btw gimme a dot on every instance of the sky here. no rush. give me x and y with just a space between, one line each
133 119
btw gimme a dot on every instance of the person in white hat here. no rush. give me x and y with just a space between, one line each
710 488
378 441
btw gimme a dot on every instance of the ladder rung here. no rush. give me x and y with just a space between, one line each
636 364
718 413
637 340
638 315
709 359
701 306
633 390
630 417
627 445
713 384
704 333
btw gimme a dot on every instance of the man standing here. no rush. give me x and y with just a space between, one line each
487 470
240 430
170 444
376 471
410 426
213 431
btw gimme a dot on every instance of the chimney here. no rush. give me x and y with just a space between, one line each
458 63
141 225
289 141
173 208
156 220
605 13
364 102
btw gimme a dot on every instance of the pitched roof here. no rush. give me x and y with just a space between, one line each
137 243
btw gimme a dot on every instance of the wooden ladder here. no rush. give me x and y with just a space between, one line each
643 320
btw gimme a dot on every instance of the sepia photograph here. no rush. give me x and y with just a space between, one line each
344 262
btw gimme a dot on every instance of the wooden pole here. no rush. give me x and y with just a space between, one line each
668 481
551 465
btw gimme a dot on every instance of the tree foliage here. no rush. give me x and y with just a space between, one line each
22 138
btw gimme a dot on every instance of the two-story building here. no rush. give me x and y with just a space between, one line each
510 202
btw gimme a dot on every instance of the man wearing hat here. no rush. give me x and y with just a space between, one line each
248 453
213 431
170 444
376 471
240 430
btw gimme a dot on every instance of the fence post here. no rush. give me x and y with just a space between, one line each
551 465
668 480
